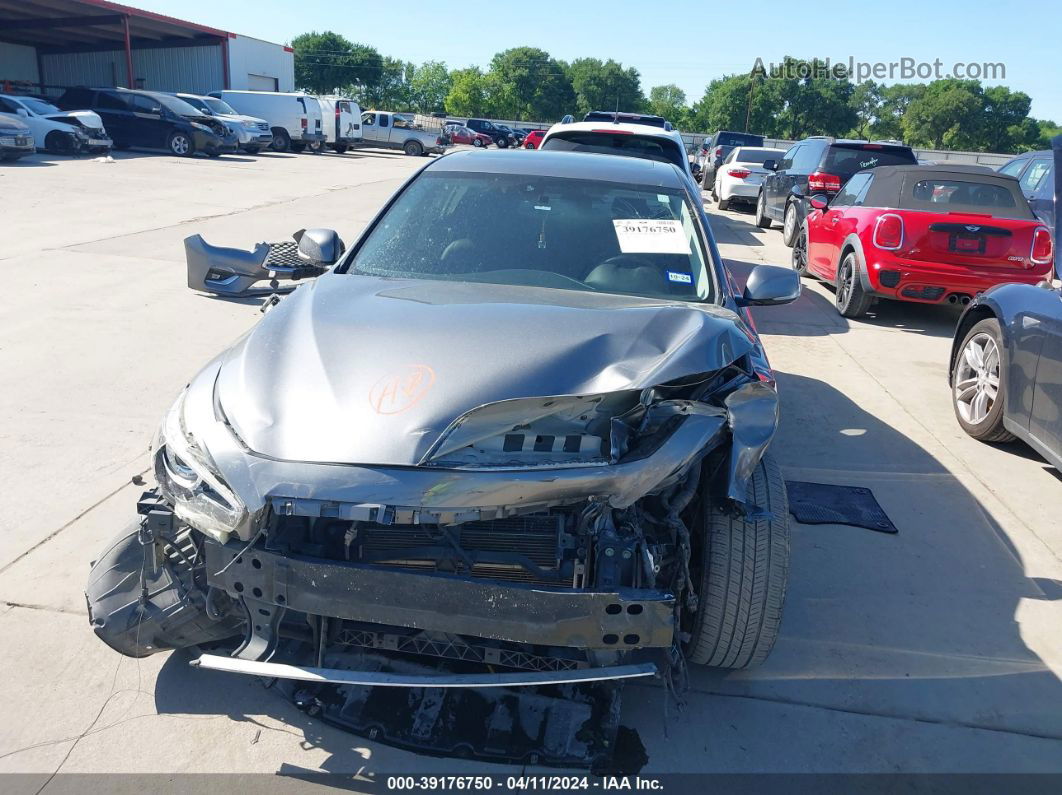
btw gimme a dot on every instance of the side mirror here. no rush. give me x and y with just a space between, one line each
23 112
769 285
770 165
820 201
320 247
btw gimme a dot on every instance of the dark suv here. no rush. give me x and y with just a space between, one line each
818 165
152 120
496 133
1035 172
715 149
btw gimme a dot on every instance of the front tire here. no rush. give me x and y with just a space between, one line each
851 300
979 391
477 143
743 567
180 144
789 224
762 220
281 140
55 143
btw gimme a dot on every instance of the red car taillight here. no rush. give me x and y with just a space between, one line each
1042 249
740 173
888 232
303 122
718 152
821 181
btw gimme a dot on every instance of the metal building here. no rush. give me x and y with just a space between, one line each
49 45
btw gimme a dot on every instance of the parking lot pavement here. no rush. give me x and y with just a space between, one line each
936 649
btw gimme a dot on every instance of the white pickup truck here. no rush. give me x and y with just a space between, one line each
413 134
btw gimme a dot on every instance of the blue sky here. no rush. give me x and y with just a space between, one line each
686 43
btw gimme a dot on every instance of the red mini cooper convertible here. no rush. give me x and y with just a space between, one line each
930 234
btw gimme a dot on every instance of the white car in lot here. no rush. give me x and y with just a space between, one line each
294 118
738 178
630 134
57 131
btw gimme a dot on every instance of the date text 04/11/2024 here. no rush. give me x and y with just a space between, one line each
542 783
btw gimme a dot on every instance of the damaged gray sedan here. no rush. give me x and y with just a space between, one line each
516 435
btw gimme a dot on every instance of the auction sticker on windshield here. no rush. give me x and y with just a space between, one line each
646 236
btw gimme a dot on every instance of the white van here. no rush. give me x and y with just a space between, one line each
342 122
295 119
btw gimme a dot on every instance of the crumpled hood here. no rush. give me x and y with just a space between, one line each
357 369
88 118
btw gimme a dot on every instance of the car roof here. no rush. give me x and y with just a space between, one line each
575 165
882 172
634 128
854 141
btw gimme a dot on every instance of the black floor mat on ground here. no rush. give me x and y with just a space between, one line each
821 503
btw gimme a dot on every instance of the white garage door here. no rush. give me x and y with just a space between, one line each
261 83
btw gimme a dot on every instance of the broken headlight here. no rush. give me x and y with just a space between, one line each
568 430
189 479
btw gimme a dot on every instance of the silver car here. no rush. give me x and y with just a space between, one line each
520 429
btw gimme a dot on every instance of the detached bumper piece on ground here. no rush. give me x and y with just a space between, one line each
238 272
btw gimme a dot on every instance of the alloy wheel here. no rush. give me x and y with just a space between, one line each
977 378
800 253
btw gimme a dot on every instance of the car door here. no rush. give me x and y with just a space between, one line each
117 117
773 192
828 228
1045 420
149 122
1032 176
1042 197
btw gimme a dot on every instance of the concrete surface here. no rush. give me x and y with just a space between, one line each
934 650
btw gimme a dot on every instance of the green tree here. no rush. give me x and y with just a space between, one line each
430 86
947 114
392 90
669 101
818 104
1005 122
468 92
605 86
895 100
526 83
867 100
1047 130
727 105
326 61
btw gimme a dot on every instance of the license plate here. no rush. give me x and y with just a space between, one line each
98 142
963 243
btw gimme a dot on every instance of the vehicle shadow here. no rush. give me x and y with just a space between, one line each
929 624
30 161
814 313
